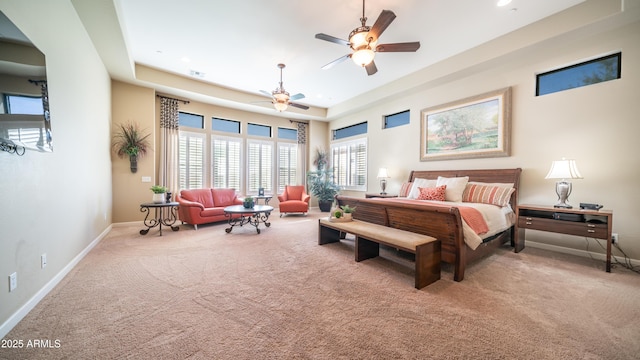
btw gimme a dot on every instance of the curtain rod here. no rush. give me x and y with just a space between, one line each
166 97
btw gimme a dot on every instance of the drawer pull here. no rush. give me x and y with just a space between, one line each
591 225
528 219
591 231
528 223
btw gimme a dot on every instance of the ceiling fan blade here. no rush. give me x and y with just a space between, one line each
297 96
332 39
381 24
299 106
399 47
266 93
336 61
371 68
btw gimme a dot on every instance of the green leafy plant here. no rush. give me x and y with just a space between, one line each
337 214
157 189
129 141
348 209
322 186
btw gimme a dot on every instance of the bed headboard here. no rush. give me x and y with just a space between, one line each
485 175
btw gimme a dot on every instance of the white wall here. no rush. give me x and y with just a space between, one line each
595 125
56 203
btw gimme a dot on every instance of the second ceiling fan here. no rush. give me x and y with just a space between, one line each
281 99
364 42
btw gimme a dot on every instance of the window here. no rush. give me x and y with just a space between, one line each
226 160
349 161
191 160
287 165
399 119
191 120
259 166
586 73
287 134
25 105
357 129
224 125
259 130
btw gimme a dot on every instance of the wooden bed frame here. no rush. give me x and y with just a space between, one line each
445 222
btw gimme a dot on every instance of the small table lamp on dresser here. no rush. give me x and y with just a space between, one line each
383 175
563 169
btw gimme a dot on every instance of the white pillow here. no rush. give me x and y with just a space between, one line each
423 183
455 187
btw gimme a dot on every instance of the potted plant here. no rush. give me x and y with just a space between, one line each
248 202
159 194
129 141
348 211
322 186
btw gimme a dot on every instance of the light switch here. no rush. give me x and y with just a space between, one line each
146 179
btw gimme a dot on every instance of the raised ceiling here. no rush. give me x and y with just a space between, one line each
238 44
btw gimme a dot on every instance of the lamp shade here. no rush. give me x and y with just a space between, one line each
280 106
564 169
382 173
363 56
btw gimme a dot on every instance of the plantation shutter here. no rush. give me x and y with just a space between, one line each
260 165
226 162
287 165
191 160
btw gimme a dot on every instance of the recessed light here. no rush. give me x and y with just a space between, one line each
503 2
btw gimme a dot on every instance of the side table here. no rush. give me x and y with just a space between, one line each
164 214
588 223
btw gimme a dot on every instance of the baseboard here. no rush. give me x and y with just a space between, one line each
14 319
582 253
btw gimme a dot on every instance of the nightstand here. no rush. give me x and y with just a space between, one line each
374 195
588 223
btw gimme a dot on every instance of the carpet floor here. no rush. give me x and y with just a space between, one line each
207 294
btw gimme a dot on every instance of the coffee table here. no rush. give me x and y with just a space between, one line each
252 216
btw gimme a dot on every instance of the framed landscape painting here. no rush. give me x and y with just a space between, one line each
474 127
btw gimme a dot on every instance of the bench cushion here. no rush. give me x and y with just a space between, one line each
400 238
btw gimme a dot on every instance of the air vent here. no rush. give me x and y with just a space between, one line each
196 73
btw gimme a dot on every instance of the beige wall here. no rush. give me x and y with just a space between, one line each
56 203
595 125
131 103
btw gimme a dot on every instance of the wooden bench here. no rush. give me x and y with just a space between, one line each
369 236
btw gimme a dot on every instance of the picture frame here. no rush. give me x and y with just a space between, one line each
475 127
261 191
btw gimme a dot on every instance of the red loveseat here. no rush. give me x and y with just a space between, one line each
202 206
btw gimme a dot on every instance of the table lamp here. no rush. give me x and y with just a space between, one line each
383 175
563 169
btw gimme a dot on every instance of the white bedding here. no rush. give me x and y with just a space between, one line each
498 219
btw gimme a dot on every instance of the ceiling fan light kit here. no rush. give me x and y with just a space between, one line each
363 41
281 99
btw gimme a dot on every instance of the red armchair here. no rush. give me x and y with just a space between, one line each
294 199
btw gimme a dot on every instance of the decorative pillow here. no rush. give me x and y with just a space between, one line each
455 187
436 193
488 193
405 189
419 182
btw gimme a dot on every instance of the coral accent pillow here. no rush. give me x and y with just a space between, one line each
486 193
455 187
437 193
419 182
405 189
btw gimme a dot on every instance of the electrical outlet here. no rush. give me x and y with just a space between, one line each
614 238
13 282
43 260
146 179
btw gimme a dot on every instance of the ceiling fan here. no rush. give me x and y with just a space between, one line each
281 99
364 42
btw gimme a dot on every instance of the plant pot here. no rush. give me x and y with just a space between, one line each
248 204
133 159
159 198
348 216
325 206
